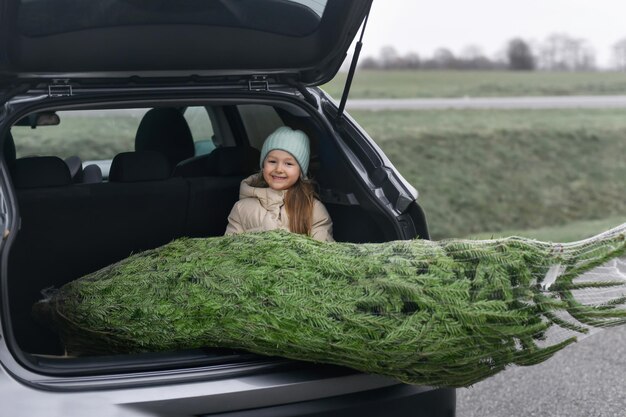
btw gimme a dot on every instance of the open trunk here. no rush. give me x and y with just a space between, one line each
72 224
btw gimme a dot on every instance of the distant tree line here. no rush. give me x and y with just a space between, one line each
559 52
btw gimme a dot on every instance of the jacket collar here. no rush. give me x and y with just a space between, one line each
268 197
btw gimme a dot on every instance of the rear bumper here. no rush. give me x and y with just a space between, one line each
394 401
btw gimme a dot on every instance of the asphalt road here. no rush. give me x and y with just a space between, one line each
560 102
587 379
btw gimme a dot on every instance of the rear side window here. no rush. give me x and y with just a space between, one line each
259 121
201 128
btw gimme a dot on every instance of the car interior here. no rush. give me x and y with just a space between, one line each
79 216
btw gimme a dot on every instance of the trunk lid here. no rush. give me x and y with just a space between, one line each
301 40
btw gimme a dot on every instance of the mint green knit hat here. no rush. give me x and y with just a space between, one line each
296 142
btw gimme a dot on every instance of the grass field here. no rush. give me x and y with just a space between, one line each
480 171
408 84
564 233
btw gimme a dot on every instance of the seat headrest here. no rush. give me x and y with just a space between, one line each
75 164
165 130
139 166
92 174
40 171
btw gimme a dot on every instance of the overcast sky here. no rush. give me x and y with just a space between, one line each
424 25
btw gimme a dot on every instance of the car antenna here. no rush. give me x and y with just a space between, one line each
355 59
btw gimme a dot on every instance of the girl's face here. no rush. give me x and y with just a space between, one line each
280 170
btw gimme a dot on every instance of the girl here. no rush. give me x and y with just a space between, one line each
281 196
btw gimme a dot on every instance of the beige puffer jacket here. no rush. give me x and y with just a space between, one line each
260 209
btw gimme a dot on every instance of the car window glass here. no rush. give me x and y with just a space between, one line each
91 135
317 6
201 129
259 121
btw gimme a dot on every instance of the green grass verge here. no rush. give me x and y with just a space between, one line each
480 170
570 232
407 84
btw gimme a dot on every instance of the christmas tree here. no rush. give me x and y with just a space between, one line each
447 313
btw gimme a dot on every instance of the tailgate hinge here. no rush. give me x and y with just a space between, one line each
258 83
60 88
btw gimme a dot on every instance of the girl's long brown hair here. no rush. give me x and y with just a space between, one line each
299 202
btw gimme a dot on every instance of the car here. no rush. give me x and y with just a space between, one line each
128 123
